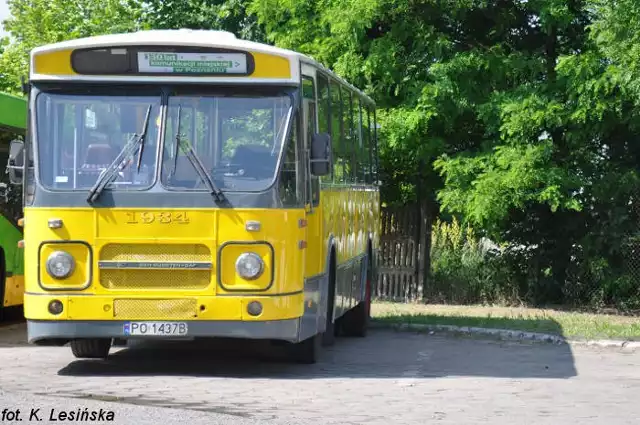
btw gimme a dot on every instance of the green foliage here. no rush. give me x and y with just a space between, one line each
36 22
463 269
520 118
227 15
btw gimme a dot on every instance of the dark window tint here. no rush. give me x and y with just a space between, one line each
337 126
290 190
347 135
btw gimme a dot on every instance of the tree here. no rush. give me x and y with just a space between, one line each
36 22
524 130
226 15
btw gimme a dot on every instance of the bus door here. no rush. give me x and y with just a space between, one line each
314 257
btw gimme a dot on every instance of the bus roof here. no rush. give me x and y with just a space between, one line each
13 111
273 64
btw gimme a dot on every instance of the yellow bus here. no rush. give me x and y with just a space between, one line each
189 184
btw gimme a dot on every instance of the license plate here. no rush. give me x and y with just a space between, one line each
155 328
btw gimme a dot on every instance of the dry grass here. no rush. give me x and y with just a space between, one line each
569 324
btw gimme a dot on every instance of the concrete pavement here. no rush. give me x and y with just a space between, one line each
388 377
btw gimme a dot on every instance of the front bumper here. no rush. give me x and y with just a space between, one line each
42 330
104 316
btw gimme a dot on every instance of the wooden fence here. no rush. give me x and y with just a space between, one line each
405 239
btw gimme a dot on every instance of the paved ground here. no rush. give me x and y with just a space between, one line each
389 377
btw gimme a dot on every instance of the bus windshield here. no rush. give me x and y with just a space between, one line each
80 135
237 136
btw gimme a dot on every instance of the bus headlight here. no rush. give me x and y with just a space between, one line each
249 265
60 264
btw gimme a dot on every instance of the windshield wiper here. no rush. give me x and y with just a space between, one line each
195 161
137 141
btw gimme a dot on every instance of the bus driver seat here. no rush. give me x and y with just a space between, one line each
255 161
97 157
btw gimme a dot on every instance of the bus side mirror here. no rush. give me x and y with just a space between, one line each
321 155
15 165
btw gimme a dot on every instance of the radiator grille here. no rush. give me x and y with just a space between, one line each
155 279
155 252
154 309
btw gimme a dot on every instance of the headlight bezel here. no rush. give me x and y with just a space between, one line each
227 277
250 256
82 277
52 257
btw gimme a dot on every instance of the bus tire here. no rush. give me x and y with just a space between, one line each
329 335
119 342
306 351
356 321
91 348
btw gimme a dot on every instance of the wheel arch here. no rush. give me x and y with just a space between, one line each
331 266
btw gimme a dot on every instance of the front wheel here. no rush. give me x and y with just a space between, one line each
91 348
329 334
307 351
356 322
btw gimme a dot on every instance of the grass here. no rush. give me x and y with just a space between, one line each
571 325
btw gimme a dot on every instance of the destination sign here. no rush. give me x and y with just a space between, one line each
192 63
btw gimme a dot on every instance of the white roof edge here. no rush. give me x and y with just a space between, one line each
198 38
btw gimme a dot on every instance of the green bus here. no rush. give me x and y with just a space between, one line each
13 121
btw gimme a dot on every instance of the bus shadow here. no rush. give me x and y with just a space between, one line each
383 354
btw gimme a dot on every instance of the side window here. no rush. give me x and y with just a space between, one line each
347 139
11 208
324 116
336 134
367 151
315 181
374 145
360 160
308 91
323 104
291 193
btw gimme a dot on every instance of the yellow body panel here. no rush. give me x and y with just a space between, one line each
215 236
58 63
270 66
101 307
130 235
14 291
53 63
349 215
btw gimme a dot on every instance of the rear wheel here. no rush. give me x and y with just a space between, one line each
119 342
91 348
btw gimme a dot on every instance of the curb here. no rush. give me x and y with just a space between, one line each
508 334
